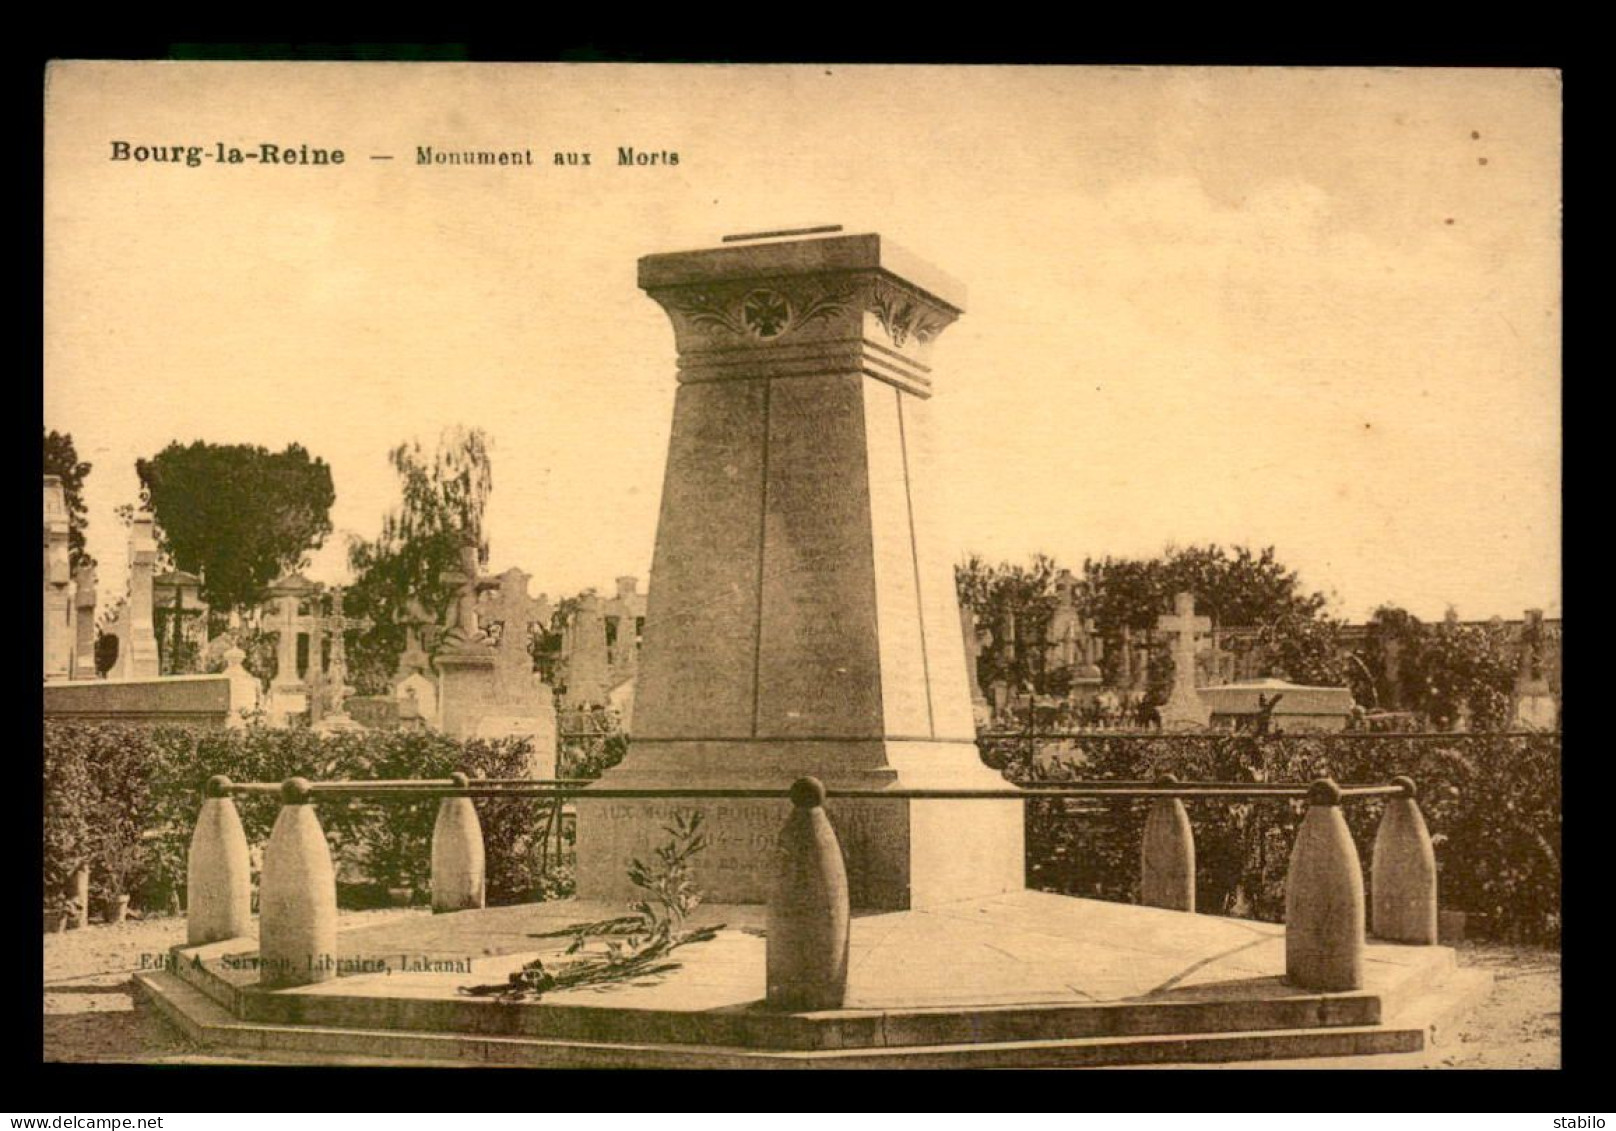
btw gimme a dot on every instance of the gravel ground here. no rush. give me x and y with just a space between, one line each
93 1014
92 1011
1518 1026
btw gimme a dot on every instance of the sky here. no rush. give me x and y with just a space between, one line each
1317 309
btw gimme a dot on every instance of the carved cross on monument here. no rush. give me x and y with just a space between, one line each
1184 707
462 626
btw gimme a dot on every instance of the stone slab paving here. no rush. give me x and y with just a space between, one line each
1023 948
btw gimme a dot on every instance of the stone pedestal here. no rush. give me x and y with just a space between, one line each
465 688
588 661
137 651
59 629
802 619
84 623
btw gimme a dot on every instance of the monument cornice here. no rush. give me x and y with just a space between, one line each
816 257
758 327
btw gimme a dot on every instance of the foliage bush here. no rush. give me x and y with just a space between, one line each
124 800
1491 801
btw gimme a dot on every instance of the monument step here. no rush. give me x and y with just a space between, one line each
841 1029
204 1021
197 974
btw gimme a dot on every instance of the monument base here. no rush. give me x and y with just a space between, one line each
900 854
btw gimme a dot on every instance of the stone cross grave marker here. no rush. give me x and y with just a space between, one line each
416 619
337 625
515 613
465 661
1065 623
1184 707
462 626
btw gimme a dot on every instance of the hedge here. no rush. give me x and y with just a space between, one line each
123 800
1491 801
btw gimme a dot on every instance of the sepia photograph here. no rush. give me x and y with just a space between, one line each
742 566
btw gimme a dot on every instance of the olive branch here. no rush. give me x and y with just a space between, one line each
632 948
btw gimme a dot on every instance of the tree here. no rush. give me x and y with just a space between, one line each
1441 671
1306 649
1242 589
62 461
1236 587
1010 599
237 516
444 495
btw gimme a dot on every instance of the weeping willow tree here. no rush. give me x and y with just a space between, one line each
443 495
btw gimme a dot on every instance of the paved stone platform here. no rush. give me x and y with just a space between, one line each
1024 978
1020 948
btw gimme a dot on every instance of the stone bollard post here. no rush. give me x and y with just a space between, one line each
459 876
218 872
1168 854
808 917
297 900
1402 873
1324 899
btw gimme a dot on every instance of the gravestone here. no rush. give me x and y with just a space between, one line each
1534 700
84 623
802 617
289 614
181 619
416 700
1217 664
465 661
625 620
336 626
60 635
244 694
588 663
415 690
1184 708
1064 633
1091 650
523 704
1288 706
137 636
